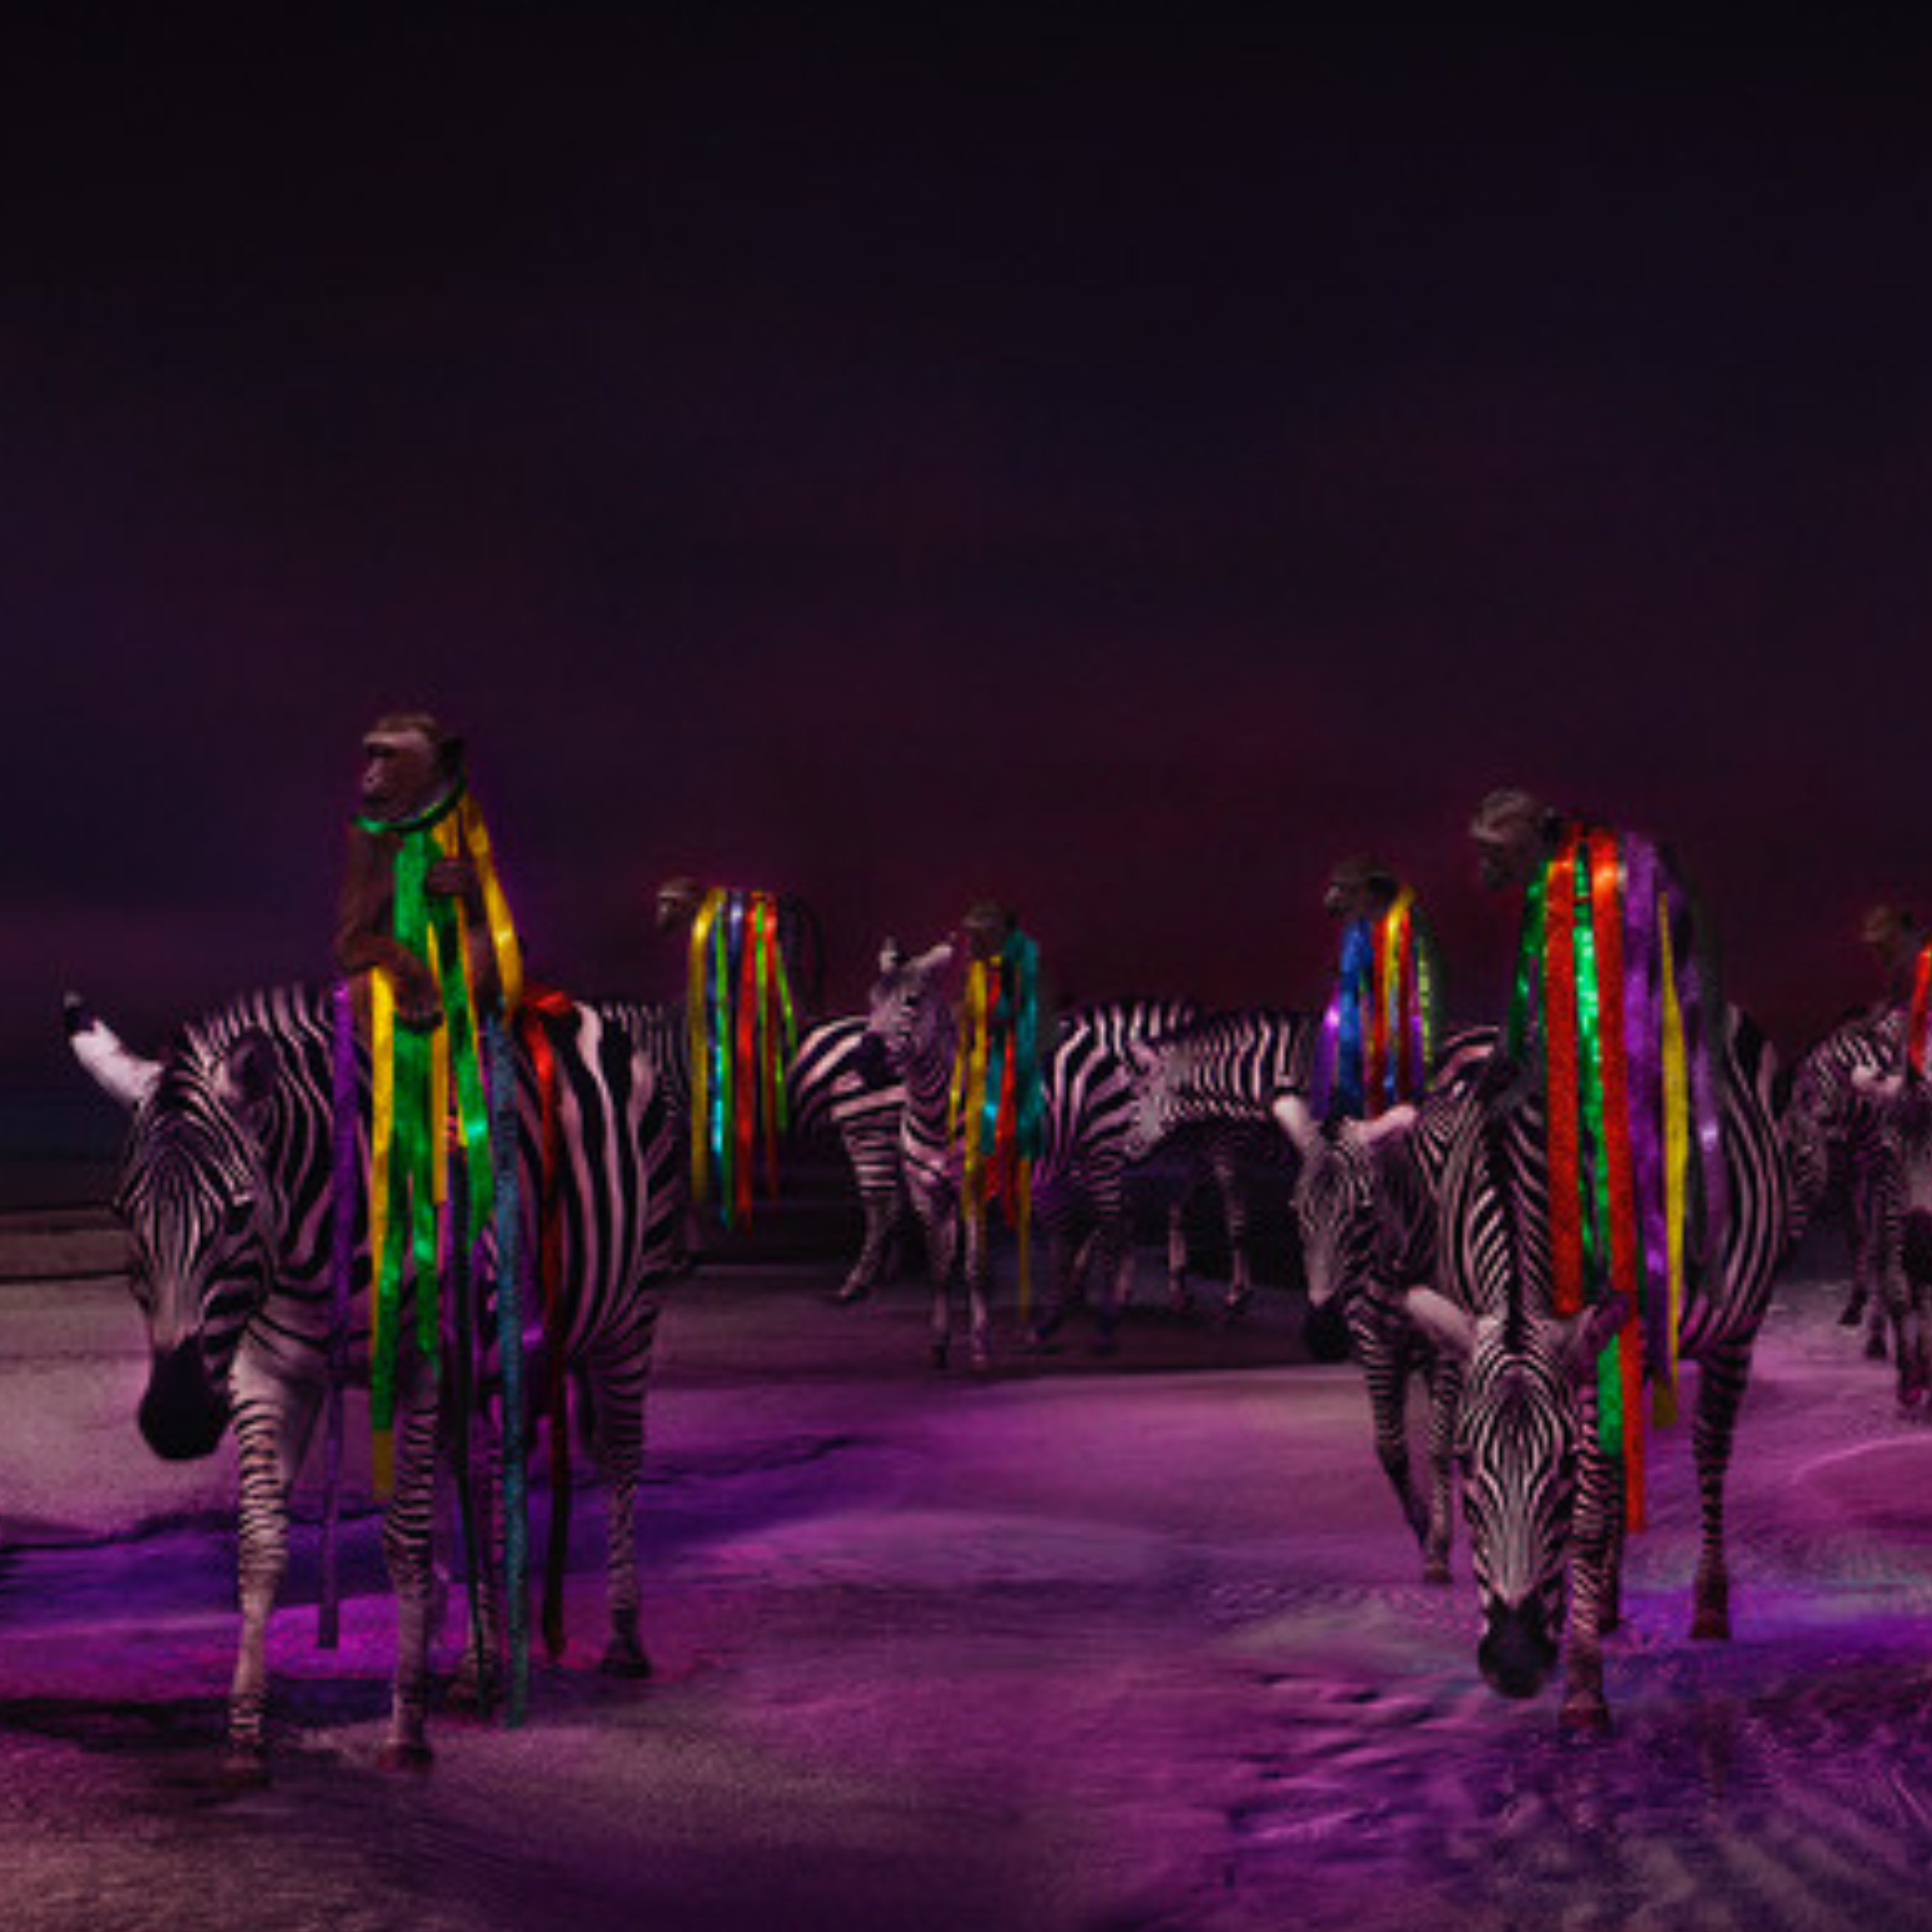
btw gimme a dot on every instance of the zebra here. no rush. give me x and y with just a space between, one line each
837 1089
226 1191
1079 1182
1900 1100
1542 1501
833 1090
1832 1120
1213 1085
1366 1200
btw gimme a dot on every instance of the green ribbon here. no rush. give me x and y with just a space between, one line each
1529 958
1593 1175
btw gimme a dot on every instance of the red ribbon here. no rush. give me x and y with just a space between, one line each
1564 1085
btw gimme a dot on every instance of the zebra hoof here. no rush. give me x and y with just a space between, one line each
474 1693
1435 1573
1875 1348
1711 1627
625 1661
940 1351
404 1756
1852 1313
244 1767
1583 1716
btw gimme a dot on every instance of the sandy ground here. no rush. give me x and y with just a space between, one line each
1136 1644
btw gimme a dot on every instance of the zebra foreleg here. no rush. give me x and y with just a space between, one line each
1445 1395
881 1211
1722 1373
940 1224
1180 1288
274 1417
1599 1503
1234 1214
978 1268
1385 1370
407 1535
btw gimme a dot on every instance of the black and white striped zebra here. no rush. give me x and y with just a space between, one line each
1838 1137
838 1090
834 1091
1366 1195
1079 1182
1543 1503
226 1191
1210 1089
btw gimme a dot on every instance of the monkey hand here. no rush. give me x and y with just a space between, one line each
418 1003
455 879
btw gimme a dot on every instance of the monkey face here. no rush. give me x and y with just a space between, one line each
402 773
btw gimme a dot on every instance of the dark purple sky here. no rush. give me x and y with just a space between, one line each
1118 470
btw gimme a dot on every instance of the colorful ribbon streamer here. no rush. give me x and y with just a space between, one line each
742 1032
1379 1033
998 1105
1626 1020
415 1076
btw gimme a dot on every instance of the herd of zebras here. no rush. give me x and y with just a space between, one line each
1423 1238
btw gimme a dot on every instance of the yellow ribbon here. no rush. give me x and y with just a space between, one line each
1676 1100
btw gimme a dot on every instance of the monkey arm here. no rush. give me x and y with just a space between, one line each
362 943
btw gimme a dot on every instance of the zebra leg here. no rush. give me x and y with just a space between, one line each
1599 1504
1722 1373
620 1374
273 1417
1180 1290
1382 1350
941 1227
407 1535
881 1209
978 1269
478 1684
1234 1214
1445 1394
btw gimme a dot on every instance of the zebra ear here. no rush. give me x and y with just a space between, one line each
1297 1119
890 956
246 1078
1447 1326
122 1075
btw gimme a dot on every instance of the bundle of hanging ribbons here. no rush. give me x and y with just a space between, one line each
997 1110
442 1166
1629 1025
1378 1036
1918 1029
742 1032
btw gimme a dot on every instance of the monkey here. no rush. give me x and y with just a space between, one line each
413 769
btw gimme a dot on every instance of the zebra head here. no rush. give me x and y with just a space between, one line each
1518 1442
195 1198
1340 1214
908 1022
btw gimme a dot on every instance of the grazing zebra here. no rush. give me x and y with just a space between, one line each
1366 1201
1079 1182
226 1191
1543 1500
1212 1086
1834 1120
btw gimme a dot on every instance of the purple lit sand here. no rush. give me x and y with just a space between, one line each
1087 1646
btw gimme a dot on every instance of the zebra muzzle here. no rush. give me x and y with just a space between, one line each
182 1414
1517 1652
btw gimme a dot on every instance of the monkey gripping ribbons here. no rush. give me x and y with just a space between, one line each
417 1077
742 1032
998 1106
1379 1034
1610 982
